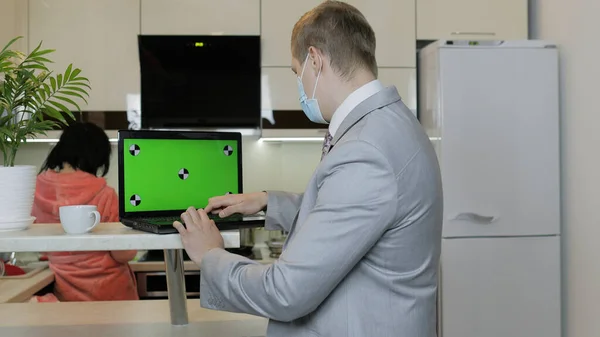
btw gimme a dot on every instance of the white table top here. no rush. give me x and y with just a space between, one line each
105 236
122 318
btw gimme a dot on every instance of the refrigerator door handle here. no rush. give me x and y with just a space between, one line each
476 218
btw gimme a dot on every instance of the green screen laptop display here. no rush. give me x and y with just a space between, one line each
174 174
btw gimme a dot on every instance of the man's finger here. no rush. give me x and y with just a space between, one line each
214 210
227 211
179 227
187 219
214 203
204 219
194 215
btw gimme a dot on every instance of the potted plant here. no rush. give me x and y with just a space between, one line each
33 100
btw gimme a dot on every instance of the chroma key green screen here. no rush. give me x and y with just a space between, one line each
174 174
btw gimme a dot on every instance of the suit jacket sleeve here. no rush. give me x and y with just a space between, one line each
356 204
282 208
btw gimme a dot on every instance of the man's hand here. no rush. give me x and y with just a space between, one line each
199 234
246 204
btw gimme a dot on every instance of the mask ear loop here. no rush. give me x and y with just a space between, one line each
304 67
318 76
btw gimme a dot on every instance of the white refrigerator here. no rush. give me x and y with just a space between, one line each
491 109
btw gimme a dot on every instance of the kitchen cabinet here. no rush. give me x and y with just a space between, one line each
394 24
405 80
200 17
392 20
280 89
277 20
13 23
100 37
499 287
472 19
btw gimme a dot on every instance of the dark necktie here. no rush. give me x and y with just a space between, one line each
326 144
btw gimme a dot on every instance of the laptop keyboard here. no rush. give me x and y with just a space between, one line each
171 219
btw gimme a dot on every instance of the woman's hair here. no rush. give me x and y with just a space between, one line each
84 146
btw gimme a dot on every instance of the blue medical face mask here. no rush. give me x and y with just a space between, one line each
310 106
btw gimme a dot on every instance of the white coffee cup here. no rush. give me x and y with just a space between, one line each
79 219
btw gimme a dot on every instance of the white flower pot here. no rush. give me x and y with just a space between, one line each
17 189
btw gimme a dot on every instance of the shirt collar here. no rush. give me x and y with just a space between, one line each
353 100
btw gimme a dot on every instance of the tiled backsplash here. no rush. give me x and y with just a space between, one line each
267 166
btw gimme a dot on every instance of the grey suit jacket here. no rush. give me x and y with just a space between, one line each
362 254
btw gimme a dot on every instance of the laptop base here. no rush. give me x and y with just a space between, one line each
146 225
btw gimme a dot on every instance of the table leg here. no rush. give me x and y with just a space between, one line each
176 286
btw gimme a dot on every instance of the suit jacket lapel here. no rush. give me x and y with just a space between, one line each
383 98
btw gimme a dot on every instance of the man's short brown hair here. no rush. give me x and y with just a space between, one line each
341 32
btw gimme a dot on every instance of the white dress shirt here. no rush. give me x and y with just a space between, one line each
354 99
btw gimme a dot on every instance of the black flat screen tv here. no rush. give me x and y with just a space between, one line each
200 81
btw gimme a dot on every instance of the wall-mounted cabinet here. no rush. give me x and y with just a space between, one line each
13 23
394 24
280 90
472 19
392 20
405 80
100 37
277 20
200 17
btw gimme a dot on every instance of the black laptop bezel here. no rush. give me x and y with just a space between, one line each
171 135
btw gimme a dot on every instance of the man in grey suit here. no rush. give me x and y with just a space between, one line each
362 254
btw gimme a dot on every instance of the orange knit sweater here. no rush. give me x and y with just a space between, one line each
82 276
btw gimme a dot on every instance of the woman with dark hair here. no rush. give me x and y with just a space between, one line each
73 175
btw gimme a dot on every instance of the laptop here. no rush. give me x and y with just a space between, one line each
162 173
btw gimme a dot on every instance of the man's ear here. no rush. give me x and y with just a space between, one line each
315 59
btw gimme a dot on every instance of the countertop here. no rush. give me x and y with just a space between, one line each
20 290
157 266
122 318
105 236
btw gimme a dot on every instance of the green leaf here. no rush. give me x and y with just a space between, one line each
33 66
41 127
73 94
4 120
40 60
47 88
42 93
4 132
70 115
68 73
68 100
60 106
80 79
10 43
39 52
52 112
37 98
44 52
74 74
80 84
9 55
47 99
36 49
76 88
53 83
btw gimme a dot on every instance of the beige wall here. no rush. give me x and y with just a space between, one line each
574 26
266 166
